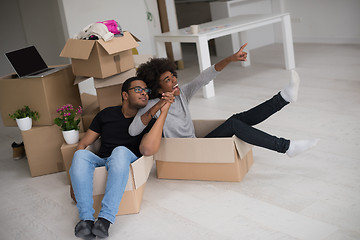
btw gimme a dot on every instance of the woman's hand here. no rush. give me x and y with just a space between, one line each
167 97
239 55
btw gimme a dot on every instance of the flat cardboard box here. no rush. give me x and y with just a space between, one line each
44 95
42 146
100 59
138 175
212 159
108 90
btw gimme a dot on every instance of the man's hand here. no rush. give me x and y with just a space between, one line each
167 97
239 55
150 142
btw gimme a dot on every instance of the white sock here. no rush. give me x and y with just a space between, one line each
290 93
299 146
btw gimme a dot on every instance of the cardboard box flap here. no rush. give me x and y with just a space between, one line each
100 178
119 44
204 127
114 80
80 79
99 181
88 102
138 175
136 39
242 147
95 146
195 150
141 169
79 49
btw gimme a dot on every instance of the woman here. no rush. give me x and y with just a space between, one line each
160 76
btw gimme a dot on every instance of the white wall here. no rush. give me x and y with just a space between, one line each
325 21
131 15
256 38
25 23
47 24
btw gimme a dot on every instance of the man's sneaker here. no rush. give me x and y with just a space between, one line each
101 228
83 230
18 150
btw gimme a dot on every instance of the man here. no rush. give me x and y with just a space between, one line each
118 150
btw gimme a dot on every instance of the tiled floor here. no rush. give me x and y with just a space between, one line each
314 196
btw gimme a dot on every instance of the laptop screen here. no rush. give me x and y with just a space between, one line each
26 61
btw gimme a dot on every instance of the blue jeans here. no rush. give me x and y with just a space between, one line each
240 125
82 172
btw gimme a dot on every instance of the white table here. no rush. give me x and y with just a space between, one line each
223 27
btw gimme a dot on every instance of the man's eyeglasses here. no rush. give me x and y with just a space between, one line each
138 89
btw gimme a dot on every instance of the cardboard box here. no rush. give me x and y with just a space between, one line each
42 146
138 175
44 95
212 159
109 90
100 59
90 109
139 59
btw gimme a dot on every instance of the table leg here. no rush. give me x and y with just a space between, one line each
288 43
204 62
243 40
160 49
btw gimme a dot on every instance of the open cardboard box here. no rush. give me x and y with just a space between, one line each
44 95
138 175
100 59
213 159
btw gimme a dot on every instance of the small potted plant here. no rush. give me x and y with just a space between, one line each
69 122
24 117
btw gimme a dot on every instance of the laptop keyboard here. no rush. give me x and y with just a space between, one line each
41 71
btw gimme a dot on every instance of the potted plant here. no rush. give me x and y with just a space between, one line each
69 122
24 117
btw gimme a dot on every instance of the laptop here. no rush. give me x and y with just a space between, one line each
27 63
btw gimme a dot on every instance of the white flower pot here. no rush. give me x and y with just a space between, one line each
71 136
24 124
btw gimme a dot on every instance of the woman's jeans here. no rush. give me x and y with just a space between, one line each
82 171
240 125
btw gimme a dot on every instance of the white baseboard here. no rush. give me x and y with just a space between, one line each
328 40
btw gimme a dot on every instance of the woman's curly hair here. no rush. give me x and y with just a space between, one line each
151 70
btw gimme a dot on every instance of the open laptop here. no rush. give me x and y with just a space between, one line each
27 63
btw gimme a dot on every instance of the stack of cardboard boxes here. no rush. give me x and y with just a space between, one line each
109 64
44 95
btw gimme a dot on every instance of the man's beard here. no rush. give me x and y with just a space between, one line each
138 106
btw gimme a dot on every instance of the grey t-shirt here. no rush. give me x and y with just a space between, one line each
178 122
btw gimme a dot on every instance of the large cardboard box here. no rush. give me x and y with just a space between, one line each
213 159
134 190
108 90
138 175
100 59
44 95
42 146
